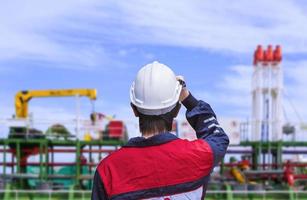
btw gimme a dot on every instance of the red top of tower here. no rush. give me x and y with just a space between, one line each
258 55
277 54
268 55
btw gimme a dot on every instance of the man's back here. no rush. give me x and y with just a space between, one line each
160 166
164 166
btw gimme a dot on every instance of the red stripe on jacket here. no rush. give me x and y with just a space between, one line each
138 168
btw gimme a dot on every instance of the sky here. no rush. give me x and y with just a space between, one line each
102 44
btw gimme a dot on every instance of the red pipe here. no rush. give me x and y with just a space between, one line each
300 176
270 165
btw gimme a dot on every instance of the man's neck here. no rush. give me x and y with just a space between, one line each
150 134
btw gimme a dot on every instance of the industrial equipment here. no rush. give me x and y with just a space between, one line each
267 90
262 168
22 98
115 129
25 143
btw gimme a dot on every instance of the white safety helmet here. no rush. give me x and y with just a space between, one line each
155 90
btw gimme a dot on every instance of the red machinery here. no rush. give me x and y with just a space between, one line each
116 129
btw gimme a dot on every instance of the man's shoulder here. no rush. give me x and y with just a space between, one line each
109 158
179 148
139 168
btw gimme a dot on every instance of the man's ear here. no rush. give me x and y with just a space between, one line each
135 111
176 110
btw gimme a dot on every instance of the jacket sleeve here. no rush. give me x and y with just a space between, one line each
203 120
98 191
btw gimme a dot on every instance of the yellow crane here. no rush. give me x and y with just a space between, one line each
22 98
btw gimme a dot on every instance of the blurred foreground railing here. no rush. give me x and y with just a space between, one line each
211 195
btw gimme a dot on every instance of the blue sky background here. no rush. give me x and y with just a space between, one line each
102 44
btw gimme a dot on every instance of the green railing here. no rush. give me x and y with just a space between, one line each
211 195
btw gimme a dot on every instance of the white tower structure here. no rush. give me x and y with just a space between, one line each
267 87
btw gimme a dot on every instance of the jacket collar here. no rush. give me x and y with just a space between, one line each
154 140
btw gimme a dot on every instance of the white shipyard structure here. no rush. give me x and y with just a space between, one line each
267 89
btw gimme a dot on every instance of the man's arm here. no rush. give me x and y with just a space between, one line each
203 120
98 191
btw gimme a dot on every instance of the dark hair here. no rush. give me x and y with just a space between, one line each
158 123
154 123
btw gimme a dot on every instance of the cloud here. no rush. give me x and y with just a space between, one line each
40 33
231 94
238 79
97 34
139 52
217 26
295 73
78 34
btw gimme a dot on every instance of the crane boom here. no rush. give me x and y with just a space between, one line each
22 98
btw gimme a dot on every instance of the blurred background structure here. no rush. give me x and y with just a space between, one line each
51 137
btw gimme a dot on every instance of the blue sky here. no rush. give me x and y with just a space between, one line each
102 44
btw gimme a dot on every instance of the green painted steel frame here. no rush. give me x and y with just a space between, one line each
43 145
